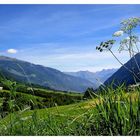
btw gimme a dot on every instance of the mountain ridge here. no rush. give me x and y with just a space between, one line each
45 76
125 76
97 78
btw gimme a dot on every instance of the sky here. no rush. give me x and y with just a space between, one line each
63 37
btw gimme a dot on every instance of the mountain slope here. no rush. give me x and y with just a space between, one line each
24 72
123 75
95 77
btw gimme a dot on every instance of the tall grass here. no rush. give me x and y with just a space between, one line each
118 113
113 112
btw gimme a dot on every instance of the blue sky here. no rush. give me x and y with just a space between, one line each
62 36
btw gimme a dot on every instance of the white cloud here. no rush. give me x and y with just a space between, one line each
12 51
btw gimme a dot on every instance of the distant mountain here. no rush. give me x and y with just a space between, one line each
95 77
44 76
124 76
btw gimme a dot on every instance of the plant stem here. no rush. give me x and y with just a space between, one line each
124 65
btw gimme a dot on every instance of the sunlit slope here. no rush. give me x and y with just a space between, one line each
71 111
75 119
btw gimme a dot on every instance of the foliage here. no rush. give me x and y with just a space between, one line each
118 113
20 101
19 96
89 94
113 112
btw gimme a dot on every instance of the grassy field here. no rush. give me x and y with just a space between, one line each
38 98
50 119
114 113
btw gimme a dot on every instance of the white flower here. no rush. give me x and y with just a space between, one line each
118 33
127 38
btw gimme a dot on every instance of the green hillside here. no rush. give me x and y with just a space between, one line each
40 98
53 120
110 114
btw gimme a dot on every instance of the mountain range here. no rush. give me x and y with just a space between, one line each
97 78
26 72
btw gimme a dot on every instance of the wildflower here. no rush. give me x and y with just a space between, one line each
118 33
127 38
107 45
